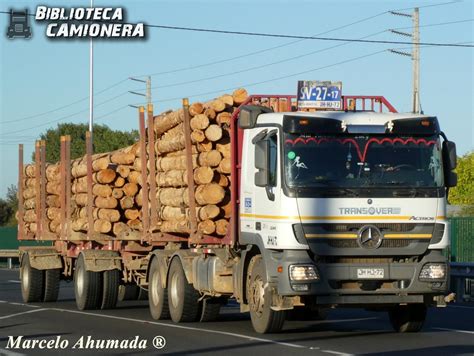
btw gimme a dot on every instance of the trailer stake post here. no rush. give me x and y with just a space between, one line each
143 160
90 198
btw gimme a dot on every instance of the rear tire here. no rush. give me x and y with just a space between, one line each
183 299
51 284
87 286
110 289
157 295
210 309
264 319
408 318
32 280
127 292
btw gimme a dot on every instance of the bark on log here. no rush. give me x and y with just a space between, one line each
122 158
29 216
106 203
168 121
30 170
53 213
29 193
101 190
176 178
53 201
179 226
173 196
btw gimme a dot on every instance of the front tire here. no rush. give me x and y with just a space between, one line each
264 319
157 295
32 280
87 286
408 318
183 299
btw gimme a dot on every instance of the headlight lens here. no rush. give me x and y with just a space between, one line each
433 271
303 273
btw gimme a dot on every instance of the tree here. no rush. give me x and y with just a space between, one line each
8 207
463 193
105 140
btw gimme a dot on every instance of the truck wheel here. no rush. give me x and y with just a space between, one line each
157 295
183 299
87 286
408 318
51 284
31 282
210 310
127 292
264 319
110 289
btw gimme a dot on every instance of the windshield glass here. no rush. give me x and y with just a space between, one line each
362 161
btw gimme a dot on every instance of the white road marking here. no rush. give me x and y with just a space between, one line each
3 301
456 330
241 336
13 281
18 314
4 352
336 353
24 305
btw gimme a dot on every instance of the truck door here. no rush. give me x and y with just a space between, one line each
267 198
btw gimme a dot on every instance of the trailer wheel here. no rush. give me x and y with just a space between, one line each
183 299
157 295
32 280
110 289
51 284
408 318
210 310
87 286
264 319
127 292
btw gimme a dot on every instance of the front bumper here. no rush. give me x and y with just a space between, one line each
339 284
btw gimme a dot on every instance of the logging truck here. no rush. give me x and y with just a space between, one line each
282 208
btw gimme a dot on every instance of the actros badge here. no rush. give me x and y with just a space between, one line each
18 26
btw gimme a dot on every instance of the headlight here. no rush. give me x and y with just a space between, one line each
303 273
433 271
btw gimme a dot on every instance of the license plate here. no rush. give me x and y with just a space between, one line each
370 273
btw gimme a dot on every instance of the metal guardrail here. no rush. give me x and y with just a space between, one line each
462 280
9 255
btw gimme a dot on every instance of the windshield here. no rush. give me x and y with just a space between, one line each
362 161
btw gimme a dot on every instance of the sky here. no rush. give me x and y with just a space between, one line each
40 75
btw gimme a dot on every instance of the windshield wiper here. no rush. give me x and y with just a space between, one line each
340 190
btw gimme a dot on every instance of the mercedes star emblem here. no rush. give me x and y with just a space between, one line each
369 236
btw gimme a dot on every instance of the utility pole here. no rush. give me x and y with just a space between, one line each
91 82
416 61
148 89
414 55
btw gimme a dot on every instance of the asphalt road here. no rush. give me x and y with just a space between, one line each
448 331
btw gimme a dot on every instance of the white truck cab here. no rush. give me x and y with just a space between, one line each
348 208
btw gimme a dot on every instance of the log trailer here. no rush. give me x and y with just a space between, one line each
329 209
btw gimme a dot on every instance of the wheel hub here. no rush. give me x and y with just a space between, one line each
257 293
175 300
155 296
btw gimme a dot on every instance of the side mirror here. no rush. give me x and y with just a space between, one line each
449 155
451 180
249 114
262 163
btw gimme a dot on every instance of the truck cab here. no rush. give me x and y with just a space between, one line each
347 208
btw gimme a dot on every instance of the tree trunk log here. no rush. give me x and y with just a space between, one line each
213 133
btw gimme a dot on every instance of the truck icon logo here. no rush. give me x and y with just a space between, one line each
370 237
18 26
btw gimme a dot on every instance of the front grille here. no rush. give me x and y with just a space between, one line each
392 227
355 260
398 243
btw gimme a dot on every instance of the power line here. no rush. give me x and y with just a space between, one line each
277 35
261 50
64 106
262 65
437 24
61 118
432 5
274 79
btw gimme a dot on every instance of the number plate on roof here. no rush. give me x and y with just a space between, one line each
319 95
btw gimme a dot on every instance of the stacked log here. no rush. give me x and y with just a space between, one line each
210 138
116 190
52 213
